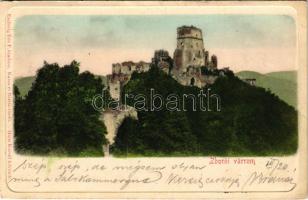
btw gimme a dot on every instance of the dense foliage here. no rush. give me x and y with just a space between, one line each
252 121
56 116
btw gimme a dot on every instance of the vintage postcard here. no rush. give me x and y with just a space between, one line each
177 100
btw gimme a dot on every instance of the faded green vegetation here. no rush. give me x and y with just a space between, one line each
283 84
252 122
56 117
52 119
24 83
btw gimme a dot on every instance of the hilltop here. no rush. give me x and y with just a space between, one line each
283 83
252 121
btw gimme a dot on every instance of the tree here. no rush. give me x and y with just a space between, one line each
58 114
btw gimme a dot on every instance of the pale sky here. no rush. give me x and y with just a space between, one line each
262 43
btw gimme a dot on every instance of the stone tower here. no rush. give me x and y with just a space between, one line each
190 49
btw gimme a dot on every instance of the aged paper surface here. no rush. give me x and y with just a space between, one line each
252 143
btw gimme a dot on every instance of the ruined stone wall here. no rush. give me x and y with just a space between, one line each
115 89
116 68
142 67
114 118
121 74
129 67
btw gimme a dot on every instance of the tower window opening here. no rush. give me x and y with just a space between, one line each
192 81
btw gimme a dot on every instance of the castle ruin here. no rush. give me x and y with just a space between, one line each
190 60
190 57
190 66
121 74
